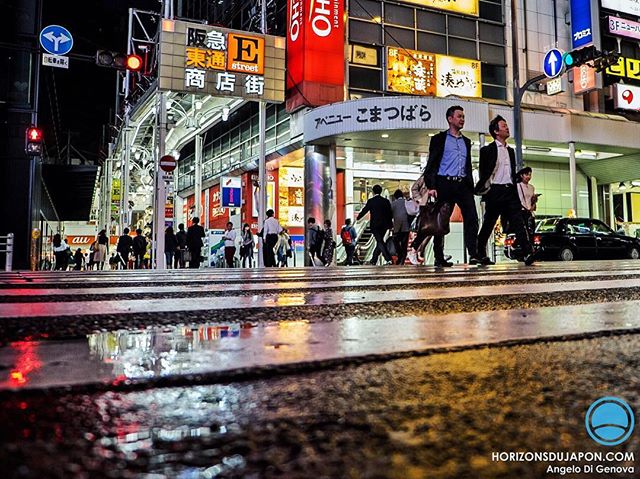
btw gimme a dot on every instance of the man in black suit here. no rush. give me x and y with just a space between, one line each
381 221
448 177
497 185
195 233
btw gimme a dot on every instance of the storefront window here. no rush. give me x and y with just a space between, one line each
398 15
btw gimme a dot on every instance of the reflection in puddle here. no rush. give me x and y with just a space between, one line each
27 361
156 352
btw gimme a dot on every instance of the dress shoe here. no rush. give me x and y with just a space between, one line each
529 259
474 260
442 264
486 261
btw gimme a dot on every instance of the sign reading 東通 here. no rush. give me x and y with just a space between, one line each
626 68
429 74
626 97
220 62
469 7
625 6
624 27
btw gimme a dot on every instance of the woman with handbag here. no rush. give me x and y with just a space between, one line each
247 244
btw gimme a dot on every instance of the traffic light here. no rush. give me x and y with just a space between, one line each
575 58
33 141
120 61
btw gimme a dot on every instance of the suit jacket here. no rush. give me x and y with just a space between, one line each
488 160
400 216
436 150
381 216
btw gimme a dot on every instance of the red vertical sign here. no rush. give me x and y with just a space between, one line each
315 52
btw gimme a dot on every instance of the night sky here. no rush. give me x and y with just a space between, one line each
82 99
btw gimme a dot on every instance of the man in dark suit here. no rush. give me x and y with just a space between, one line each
448 177
195 233
381 221
497 185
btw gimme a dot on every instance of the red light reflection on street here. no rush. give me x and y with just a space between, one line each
27 362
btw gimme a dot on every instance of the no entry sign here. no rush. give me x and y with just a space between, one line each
168 163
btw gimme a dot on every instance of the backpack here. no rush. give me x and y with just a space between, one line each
346 236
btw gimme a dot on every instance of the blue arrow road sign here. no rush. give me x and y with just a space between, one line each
56 40
552 63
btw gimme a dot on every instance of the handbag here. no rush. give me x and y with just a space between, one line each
391 246
186 255
434 218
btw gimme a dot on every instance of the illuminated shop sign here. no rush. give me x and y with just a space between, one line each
626 68
584 79
583 24
429 74
626 97
623 27
291 196
220 62
468 7
315 52
626 6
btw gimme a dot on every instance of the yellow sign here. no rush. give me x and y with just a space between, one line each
423 73
364 56
411 71
115 190
468 7
626 67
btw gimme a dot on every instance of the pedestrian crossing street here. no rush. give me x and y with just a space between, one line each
95 328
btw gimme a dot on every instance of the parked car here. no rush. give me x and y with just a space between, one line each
567 239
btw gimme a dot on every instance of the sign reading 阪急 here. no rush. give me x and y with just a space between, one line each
210 60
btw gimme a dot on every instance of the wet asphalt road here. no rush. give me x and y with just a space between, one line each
437 410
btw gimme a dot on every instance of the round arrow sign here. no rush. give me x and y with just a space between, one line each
168 163
552 63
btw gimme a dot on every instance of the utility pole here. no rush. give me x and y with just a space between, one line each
262 162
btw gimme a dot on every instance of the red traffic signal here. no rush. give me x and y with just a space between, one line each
119 61
134 63
33 141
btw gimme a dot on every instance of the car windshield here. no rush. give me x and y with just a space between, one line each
547 225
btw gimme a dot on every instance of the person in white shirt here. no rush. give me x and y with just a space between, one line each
497 185
528 197
229 238
270 232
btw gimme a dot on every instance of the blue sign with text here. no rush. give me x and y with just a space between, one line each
56 40
581 23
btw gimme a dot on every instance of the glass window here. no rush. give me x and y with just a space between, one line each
491 53
601 228
491 33
462 48
364 9
398 15
578 227
462 27
547 225
493 74
365 32
271 116
366 78
434 22
428 42
400 37
491 11
495 92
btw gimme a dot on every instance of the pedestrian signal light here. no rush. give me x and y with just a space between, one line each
33 141
134 63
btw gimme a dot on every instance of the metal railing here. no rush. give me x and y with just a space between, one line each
6 246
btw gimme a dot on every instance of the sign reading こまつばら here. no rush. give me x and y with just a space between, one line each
210 60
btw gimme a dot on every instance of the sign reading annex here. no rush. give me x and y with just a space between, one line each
430 74
220 62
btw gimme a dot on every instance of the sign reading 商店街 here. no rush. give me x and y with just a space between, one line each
216 61
469 7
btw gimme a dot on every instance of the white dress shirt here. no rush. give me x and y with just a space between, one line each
229 238
271 226
502 172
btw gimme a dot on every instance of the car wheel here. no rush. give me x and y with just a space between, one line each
566 254
634 253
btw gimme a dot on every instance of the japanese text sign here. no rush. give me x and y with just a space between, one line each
422 73
220 62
